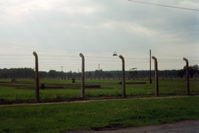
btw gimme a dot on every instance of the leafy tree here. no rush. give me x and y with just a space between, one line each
193 70
181 73
52 74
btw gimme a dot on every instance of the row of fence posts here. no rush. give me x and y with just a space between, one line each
37 97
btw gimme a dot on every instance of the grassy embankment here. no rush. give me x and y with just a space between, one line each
96 115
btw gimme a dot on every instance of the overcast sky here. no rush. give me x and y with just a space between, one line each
58 30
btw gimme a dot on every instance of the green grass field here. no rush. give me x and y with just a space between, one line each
63 90
62 117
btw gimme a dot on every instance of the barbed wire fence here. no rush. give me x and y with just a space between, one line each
72 63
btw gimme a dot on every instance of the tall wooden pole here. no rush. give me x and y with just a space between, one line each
83 77
123 77
187 75
156 75
36 77
150 80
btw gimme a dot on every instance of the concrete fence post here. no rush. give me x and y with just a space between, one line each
82 76
123 77
187 75
156 75
36 77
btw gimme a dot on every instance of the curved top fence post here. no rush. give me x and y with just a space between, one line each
187 74
154 58
156 75
186 60
36 77
123 77
83 76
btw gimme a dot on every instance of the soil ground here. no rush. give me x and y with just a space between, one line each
2 104
189 126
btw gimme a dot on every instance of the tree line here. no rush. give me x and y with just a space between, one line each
15 73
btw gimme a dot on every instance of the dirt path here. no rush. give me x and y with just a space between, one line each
89 100
189 126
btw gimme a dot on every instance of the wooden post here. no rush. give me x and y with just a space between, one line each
187 75
150 80
123 77
156 75
36 78
83 77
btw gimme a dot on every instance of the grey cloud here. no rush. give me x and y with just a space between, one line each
105 25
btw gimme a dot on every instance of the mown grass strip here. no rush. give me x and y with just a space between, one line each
61 90
97 115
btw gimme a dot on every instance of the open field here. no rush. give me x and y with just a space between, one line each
94 115
65 90
97 115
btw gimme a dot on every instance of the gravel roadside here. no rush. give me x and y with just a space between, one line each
188 126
